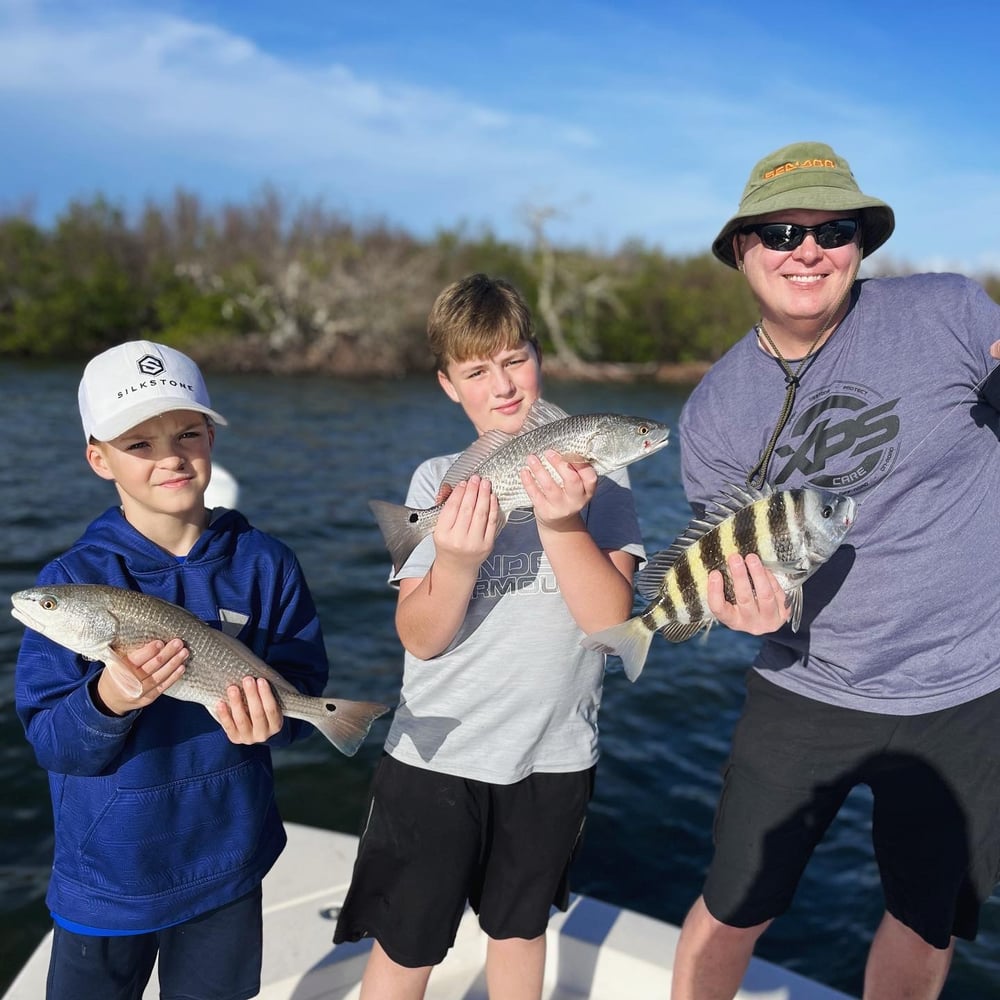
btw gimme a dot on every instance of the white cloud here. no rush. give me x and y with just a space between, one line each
135 101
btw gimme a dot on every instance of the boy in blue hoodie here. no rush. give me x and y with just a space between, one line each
165 819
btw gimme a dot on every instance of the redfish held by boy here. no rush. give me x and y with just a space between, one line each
793 531
106 623
607 441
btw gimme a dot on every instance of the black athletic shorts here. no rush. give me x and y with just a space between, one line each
935 781
433 842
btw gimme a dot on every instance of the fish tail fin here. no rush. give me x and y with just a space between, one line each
348 722
400 529
630 640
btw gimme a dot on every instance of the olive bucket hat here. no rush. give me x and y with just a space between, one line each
806 175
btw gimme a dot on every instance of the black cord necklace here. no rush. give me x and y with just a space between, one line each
757 476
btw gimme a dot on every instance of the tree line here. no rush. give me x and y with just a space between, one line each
269 286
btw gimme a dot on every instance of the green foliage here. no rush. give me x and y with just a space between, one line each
186 314
310 290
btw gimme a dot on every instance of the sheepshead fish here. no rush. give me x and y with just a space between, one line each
105 623
793 531
607 441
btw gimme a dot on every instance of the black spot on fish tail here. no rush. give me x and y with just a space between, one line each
414 517
347 723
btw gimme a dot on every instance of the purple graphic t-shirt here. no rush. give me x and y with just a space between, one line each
904 618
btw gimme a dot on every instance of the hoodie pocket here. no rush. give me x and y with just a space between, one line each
152 840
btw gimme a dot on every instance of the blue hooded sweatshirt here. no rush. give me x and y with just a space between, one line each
158 817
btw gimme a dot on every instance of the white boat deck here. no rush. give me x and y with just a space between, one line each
595 950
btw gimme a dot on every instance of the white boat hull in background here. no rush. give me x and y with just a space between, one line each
595 950
223 489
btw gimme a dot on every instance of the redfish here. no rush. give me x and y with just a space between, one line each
607 441
106 623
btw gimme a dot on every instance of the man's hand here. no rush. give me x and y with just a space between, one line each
760 603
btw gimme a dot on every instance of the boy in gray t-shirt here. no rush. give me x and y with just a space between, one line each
490 760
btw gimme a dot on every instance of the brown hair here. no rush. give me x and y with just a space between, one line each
476 317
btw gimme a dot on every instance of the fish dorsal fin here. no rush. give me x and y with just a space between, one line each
649 578
733 498
540 414
729 501
474 456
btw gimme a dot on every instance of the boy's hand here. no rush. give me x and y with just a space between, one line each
467 526
252 714
556 503
133 682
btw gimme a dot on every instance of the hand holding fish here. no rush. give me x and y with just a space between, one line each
606 441
252 713
995 349
760 605
559 499
195 662
784 535
468 524
131 682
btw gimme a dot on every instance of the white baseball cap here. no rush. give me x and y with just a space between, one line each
133 382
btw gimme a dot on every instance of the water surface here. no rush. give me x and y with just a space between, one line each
309 453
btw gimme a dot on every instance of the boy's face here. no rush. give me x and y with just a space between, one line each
496 392
161 466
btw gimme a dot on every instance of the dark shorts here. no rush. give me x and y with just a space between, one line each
433 842
935 782
216 956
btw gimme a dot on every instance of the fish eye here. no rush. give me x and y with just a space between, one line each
643 429
827 511
48 603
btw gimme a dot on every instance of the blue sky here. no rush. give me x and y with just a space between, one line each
632 119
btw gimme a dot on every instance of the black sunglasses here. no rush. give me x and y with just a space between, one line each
789 235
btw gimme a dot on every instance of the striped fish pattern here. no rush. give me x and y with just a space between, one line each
793 531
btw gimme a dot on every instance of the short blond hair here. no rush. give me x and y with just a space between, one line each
476 317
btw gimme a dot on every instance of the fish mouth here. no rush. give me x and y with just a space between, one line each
650 446
23 618
655 444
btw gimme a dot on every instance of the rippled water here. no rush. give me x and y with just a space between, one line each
309 453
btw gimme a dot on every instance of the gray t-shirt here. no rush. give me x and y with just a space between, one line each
904 618
514 693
